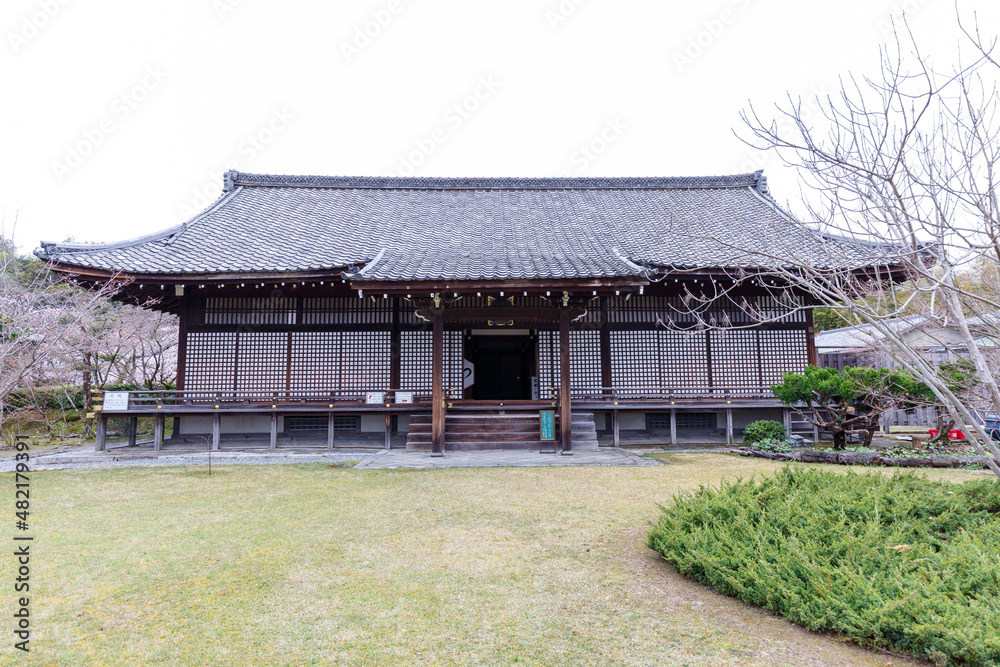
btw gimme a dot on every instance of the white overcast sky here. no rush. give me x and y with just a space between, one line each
121 116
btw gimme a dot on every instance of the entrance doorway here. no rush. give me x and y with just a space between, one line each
504 366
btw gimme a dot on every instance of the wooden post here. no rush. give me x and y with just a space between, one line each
787 418
729 426
605 345
274 430
614 426
813 356
330 431
565 399
216 430
673 427
158 433
388 431
101 436
133 426
437 385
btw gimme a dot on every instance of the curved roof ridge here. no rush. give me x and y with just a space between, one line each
234 179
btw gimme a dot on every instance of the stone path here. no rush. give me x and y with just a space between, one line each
365 458
397 458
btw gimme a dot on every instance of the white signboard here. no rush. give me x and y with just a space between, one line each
404 397
374 397
115 401
468 374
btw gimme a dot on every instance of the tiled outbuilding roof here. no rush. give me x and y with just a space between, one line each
407 229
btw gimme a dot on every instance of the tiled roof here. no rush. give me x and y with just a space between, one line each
465 228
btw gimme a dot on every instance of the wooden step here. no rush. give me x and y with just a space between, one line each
465 431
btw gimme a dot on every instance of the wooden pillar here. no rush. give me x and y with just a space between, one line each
330 431
388 431
437 385
158 423
274 430
787 418
605 345
183 319
614 426
216 430
395 349
133 427
673 427
729 426
813 356
565 399
101 435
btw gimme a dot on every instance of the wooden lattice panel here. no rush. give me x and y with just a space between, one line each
685 359
782 352
210 361
315 362
231 310
416 364
735 362
262 363
584 359
635 359
365 360
347 310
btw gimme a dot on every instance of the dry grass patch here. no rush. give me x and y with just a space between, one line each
307 564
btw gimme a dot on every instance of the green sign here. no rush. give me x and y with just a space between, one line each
547 419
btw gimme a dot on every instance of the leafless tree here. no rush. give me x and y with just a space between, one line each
900 175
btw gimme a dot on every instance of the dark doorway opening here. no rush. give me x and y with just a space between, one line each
504 366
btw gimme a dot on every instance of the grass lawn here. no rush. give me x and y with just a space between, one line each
298 565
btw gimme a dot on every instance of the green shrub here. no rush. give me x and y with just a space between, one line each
896 561
764 429
773 445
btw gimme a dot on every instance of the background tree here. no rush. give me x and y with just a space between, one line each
900 182
849 400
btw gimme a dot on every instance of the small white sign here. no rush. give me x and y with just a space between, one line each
468 374
115 401
404 397
375 397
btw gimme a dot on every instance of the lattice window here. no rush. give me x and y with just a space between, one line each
262 363
347 310
228 310
782 352
365 360
635 359
584 359
315 362
416 364
685 359
210 361
735 362
697 420
415 360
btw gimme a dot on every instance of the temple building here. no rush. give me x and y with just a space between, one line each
447 314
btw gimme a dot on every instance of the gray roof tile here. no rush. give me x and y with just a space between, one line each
465 228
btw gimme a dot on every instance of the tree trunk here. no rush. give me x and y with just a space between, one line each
88 403
839 438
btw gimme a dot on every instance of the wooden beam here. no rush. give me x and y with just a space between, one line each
330 431
216 430
565 399
158 423
437 384
274 430
133 427
101 434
